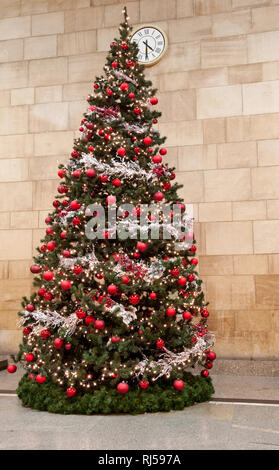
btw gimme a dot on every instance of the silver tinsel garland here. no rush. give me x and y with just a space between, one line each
50 319
120 74
127 315
170 360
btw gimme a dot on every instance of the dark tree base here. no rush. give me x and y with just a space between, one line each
163 397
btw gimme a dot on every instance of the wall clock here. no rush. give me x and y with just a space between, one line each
152 43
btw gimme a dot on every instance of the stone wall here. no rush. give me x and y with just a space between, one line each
219 94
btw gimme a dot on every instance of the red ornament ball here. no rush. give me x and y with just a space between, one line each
77 269
29 357
124 86
170 312
147 141
211 355
182 281
137 111
66 285
154 100
125 279
157 159
99 324
153 296
141 246
123 387
112 289
144 384
58 343
11 368
191 277
48 275
27 330
75 205
30 308
90 173
178 384
115 339
40 379
160 343
116 182
45 334
68 346
131 95
134 299
50 246
70 392
187 315
35 269
204 373
158 196
80 313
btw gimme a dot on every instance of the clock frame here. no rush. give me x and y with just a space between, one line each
155 61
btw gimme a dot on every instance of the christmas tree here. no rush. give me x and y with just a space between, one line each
118 316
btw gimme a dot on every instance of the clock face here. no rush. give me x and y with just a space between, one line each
152 43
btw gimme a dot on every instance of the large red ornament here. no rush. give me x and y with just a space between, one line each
124 86
70 392
61 173
58 343
11 368
115 339
147 141
182 281
175 272
29 357
77 269
66 253
27 330
137 111
80 313
50 246
41 291
103 178
144 384
170 312
48 275
125 279
66 285
134 299
45 334
157 159
99 324
121 151
76 221
90 173
158 196
154 100
187 315
40 379
160 343
123 387
153 296
191 277
141 246
211 355
112 289
35 269
75 205
204 373
163 151
116 182
178 384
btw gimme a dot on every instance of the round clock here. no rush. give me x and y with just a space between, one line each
152 43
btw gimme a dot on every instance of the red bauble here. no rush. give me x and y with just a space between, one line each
153 296
75 154
75 205
109 92
58 343
155 121
49 231
211 355
116 182
80 313
187 315
137 111
91 148
27 330
182 281
144 384
121 151
68 346
124 86
163 151
66 285
41 292
160 343
134 299
61 173
154 100
175 272
48 275
141 246
194 261
193 249
99 324
115 339
147 141
178 384
45 334
170 312
35 269
131 95
208 365
90 173
48 220
50 246
204 312
114 64
103 178
77 269
204 373
96 86
71 391
191 277
48 296
158 196
124 46
125 279
89 320
123 387
40 379
76 221
112 289
11 368
157 159
63 234
29 357
66 253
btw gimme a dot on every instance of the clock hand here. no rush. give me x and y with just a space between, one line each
146 43
146 51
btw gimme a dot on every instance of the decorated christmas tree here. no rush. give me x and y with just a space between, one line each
117 320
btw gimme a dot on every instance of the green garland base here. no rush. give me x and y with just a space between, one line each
163 397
